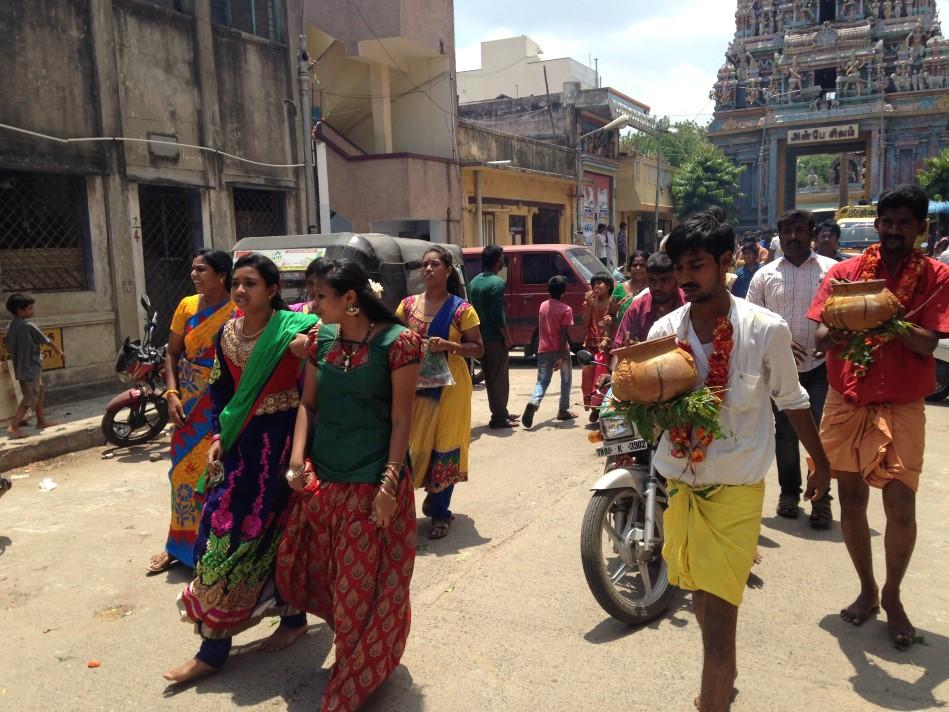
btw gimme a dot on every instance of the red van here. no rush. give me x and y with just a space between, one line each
528 267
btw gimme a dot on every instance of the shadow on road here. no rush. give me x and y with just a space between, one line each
136 454
296 675
609 629
479 430
801 529
461 535
5 541
868 646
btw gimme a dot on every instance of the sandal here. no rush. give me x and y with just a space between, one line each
439 528
787 506
157 568
566 415
821 513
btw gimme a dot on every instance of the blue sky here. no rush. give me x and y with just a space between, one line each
665 53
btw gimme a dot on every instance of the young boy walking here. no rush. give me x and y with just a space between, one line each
23 342
553 351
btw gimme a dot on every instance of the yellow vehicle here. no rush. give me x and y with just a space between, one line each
856 228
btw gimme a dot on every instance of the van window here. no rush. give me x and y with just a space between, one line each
585 262
538 267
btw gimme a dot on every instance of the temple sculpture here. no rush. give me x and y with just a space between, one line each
867 78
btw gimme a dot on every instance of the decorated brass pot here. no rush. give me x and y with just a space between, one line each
653 372
859 306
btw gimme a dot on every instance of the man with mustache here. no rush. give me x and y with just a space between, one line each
874 423
787 287
716 487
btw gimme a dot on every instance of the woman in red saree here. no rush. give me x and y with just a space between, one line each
349 548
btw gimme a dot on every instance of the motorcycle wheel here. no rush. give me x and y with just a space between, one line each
627 592
137 424
477 372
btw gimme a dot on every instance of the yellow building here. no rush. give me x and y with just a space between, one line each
515 190
636 199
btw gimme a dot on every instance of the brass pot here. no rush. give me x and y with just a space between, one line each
860 306
653 372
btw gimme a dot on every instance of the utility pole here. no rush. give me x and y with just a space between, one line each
306 109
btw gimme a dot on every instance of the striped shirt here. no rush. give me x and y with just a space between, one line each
788 291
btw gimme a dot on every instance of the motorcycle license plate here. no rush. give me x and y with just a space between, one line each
622 448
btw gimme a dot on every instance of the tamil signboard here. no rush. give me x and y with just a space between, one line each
823 134
294 259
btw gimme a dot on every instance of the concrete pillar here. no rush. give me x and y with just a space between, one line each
844 178
222 229
479 212
381 89
117 215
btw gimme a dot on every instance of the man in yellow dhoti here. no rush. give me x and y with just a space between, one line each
716 488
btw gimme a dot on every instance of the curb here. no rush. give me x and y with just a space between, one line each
81 435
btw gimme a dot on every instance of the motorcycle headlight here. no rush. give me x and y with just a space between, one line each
616 427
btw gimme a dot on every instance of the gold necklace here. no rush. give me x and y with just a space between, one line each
348 355
251 337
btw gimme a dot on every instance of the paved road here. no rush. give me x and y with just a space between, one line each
502 617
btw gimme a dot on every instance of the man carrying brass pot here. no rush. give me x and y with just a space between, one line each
716 487
874 421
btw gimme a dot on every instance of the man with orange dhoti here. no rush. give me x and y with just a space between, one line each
874 421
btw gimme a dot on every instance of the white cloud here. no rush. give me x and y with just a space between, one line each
666 57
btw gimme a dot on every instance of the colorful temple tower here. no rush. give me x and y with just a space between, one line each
829 102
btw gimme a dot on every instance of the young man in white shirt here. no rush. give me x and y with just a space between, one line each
600 245
713 518
787 286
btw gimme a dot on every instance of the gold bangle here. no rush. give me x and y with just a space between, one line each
169 392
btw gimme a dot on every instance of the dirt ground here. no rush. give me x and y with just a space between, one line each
502 618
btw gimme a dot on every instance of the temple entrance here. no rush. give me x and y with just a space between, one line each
823 177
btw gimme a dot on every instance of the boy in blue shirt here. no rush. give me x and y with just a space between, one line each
23 343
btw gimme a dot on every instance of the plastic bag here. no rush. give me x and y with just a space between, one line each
434 371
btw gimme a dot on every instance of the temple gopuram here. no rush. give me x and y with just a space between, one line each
828 102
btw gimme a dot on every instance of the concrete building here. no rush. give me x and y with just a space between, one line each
384 104
636 198
512 67
515 190
88 226
563 120
865 82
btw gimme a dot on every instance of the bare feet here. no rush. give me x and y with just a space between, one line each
40 424
161 562
192 670
901 630
866 606
14 432
283 637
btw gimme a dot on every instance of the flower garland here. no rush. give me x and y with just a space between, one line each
717 383
859 349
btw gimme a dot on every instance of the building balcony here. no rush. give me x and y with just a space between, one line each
478 145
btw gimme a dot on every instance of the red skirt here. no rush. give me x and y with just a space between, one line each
335 563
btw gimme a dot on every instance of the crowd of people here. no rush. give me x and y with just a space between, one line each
284 503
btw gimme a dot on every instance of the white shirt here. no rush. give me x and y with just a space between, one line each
611 248
760 368
599 244
788 291
776 250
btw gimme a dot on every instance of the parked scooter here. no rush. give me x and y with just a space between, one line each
139 414
621 535
941 391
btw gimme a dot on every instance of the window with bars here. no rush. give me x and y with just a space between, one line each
263 18
259 213
44 233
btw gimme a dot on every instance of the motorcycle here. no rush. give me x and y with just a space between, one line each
139 414
941 392
622 531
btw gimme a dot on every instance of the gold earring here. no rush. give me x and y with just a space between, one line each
352 309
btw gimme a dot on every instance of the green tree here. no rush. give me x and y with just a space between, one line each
707 178
679 143
821 165
934 179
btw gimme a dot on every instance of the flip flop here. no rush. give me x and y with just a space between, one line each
16 436
152 569
566 415
439 528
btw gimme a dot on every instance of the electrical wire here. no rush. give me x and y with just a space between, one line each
437 79
125 139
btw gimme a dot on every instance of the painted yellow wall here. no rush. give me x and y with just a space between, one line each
510 185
